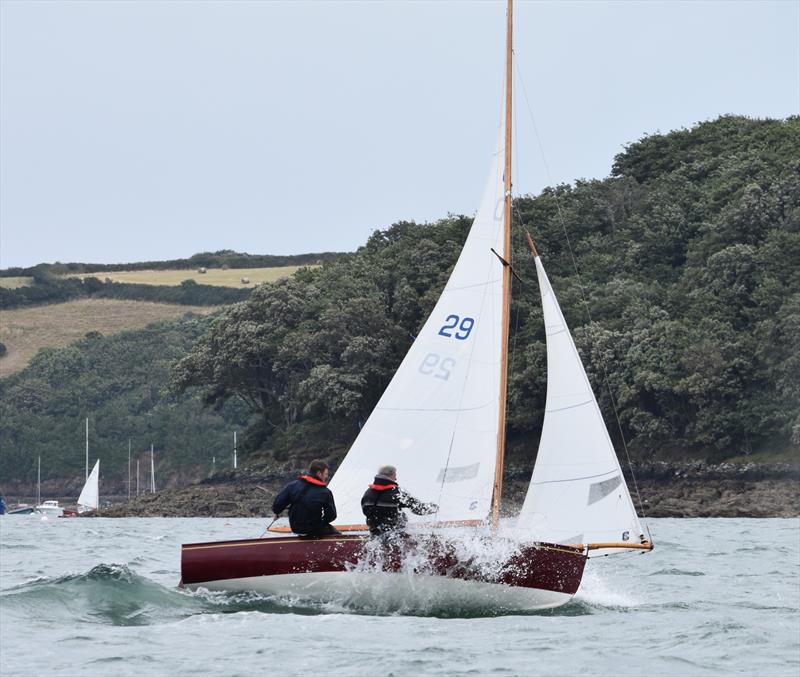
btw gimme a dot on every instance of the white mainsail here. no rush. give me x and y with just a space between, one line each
90 495
577 493
437 421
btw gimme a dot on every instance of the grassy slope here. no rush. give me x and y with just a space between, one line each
26 330
214 276
15 282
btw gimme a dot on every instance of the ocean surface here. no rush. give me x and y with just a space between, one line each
99 597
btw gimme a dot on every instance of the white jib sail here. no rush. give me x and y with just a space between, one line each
90 496
577 493
437 420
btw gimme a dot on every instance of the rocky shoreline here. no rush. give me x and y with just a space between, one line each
692 489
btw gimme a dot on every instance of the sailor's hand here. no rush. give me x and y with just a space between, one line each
275 517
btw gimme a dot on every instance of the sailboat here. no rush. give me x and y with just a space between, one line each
441 422
89 498
45 508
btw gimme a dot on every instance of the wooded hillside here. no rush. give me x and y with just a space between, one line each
688 257
118 382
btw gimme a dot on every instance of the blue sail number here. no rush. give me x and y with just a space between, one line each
462 327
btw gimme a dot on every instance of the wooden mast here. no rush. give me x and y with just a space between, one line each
501 428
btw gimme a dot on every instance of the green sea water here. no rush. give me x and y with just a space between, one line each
99 597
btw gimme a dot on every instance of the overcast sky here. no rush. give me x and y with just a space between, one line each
151 130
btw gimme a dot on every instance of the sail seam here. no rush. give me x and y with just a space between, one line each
571 406
576 479
472 286
481 406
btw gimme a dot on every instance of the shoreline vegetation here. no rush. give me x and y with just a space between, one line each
667 489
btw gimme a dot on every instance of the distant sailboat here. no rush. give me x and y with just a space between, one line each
45 508
90 494
441 421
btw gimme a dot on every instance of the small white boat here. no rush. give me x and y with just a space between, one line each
50 509
22 509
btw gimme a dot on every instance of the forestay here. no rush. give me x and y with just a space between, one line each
437 420
577 493
90 495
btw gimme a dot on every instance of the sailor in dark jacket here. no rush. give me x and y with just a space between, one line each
310 502
383 504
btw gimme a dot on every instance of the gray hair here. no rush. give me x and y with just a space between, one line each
387 470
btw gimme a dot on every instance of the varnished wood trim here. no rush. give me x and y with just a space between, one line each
647 545
342 527
531 245
244 544
364 527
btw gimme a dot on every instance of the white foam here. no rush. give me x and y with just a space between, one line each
598 590
485 558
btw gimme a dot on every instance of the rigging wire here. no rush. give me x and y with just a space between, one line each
518 234
562 221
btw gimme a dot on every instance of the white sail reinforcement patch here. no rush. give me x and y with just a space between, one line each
602 489
458 474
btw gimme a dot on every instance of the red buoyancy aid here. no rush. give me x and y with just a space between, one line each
312 480
383 487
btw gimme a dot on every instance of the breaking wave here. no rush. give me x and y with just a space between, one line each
109 594
112 594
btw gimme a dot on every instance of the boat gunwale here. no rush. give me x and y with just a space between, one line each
283 540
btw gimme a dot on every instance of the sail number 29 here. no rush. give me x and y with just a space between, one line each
435 366
461 327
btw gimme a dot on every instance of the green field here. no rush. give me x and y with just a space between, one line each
15 282
25 331
219 277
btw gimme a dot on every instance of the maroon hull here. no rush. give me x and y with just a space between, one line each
541 566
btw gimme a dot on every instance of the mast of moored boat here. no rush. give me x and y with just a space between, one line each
501 428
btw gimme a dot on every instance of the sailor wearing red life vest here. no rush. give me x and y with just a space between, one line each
383 504
310 502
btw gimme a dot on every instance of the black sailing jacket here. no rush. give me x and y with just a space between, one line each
310 504
383 504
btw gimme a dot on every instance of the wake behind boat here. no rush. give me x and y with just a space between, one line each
442 420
